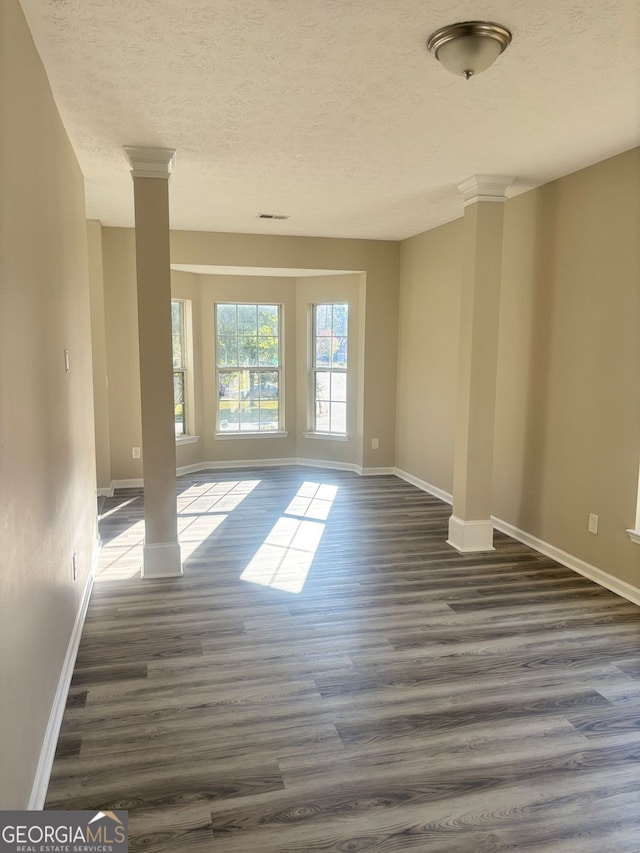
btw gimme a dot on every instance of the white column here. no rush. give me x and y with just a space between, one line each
470 526
151 168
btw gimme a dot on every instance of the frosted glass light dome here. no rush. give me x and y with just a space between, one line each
468 48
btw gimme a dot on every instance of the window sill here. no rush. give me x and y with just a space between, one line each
634 535
273 433
329 436
187 439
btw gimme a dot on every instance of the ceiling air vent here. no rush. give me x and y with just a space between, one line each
272 216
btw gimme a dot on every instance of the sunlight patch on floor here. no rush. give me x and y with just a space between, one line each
194 530
119 507
121 557
202 508
284 559
215 497
313 500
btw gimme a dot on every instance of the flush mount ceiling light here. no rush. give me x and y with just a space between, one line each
468 48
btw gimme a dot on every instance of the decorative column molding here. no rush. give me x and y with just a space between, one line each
150 162
470 525
161 553
484 188
470 536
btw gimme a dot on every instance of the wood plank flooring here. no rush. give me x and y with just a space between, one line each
408 698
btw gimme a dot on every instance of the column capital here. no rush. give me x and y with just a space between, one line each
150 162
485 188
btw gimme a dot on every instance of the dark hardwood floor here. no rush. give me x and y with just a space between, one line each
407 698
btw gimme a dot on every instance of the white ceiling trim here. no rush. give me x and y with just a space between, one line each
274 272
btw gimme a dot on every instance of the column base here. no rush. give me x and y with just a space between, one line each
161 560
469 536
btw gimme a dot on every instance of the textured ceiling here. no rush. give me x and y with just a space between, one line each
332 111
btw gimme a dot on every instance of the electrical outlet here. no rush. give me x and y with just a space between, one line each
74 564
592 526
375 444
135 453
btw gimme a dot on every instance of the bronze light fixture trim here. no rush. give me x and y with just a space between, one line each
470 47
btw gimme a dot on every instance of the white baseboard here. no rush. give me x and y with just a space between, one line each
128 484
247 463
599 576
324 463
622 588
105 493
189 469
52 733
256 463
424 486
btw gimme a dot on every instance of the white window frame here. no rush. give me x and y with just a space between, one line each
634 534
181 370
314 430
188 437
279 431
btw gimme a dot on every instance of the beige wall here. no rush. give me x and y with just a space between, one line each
568 395
431 271
99 357
568 406
376 329
47 463
123 364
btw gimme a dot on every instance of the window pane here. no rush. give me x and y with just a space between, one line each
226 317
177 333
268 352
243 384
323 351
247 319
340 320
323 319
247 355
268 320
228 415
323 385
269 414
339 417
251 391
322 417
339 346
322 391
245 415
227 351
339 387
228 385
178 402
269 388
266 383
262 385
